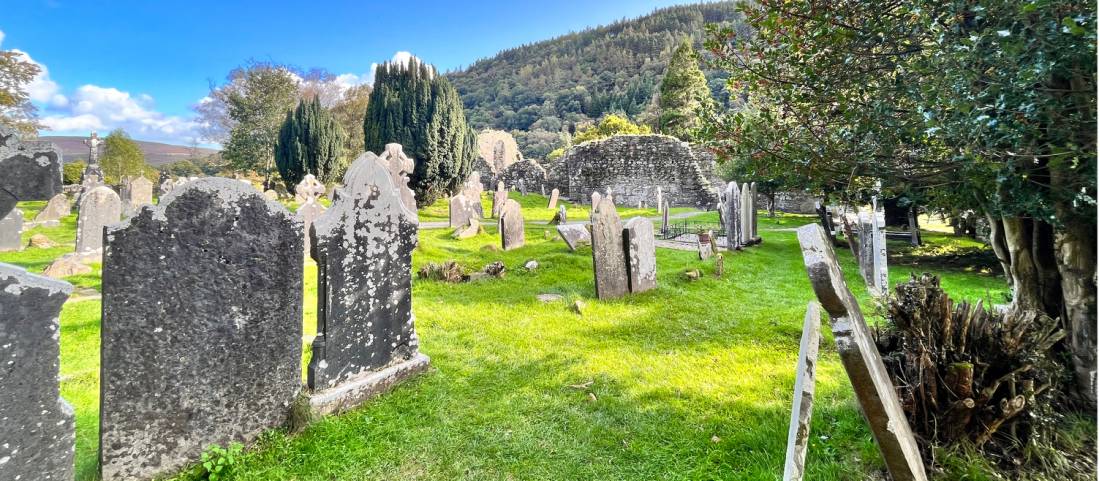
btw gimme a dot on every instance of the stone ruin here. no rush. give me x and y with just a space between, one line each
632 167
525 175
497 150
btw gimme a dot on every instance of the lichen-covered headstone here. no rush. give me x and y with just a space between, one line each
574 235
99 208
11 231
202 327
29 170
641 254
37 434
511 225
798 434
874 389
308 213
553 203
608 261
867 250
365 325
137 192
753 225
55 209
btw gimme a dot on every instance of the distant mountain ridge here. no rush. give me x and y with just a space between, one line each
156 153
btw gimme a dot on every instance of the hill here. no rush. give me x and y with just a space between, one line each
546 88
156 153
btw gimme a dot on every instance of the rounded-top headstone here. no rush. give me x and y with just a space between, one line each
99 208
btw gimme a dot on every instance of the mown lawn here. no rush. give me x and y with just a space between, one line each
690 381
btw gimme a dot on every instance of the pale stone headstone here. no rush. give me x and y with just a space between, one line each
461 210
366 339
746 216
65 266
878 243
99 208
271 194
55 209
500 196
202 327
470 229
400 167
11 231
798 434
732 217
553 204
860 357
29 170
308 189
472 190
511 225
575 235
641 254
705 249
136 193
37 432
664 219
608 262
755 232
661 201
522 187
308 213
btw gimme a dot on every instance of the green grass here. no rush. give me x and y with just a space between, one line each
690 381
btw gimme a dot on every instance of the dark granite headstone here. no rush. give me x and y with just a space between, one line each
11 231
363 246
874 389
202 327
99 208
798 434
641 254
37 434
29 170
511 225
608 260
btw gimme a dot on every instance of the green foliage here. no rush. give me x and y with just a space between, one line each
349 113
258 97
71 172
121 157
414 106
684 94
182 168
611 125
311 141
17 71
218 462
555 154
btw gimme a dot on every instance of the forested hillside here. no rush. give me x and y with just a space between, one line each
547 89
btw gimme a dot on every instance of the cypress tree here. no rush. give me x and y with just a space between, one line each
683 93
311 141
416 107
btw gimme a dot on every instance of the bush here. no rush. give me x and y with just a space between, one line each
71 173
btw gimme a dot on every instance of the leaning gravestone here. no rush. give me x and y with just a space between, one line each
608 262
55 209
510 225
366 338
574 235
29 170
798 435
553 204
37 433
460 211
308 213
873 387
11 231
202 327
137 192
99 208
641 254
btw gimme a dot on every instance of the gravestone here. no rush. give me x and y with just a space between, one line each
99 208
330 192
308 213
461 211
29 170
308 189
166 187
878 243
867 250
473 189
859 355
562 214
641 254
705 250
499 198
136 193
37 432
798 434
366 339
11 231
608 262
471 229
553 204
755 233
510 225
596 197
850 224
575 235
746 216
55 209
732 200
664 219
202 327
400 167
661 201
522 187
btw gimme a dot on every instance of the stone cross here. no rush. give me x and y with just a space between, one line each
99 208
874 389
641 254
400 167
607 250
93 144
308 189
510 225
798 435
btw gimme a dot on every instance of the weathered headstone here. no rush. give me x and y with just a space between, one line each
29 170
755 233
873 387
55 209
471 229
510 225
400 167
553 204
732 200
202 326
574 235
850 224
460 211
746 216
867 250
661 201
366 338
641 254
608 261
473 189
99 208
136 193
878 242
798 435
37 433
308 189
664 219
522 187
705 250
500 196
308 213
11 231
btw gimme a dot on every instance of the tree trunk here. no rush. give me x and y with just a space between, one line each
1000 246
771 204
1076 248
1031 260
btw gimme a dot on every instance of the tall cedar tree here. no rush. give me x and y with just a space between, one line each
683 94
121 157
311 141
413 106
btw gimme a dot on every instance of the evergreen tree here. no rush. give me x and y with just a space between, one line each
416 107
121 157
683 94
310 141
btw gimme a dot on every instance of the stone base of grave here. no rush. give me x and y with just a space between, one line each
354 393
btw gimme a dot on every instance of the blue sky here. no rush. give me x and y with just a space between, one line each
141 65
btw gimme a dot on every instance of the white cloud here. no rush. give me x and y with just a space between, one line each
93 107
1 37
401 57
43 89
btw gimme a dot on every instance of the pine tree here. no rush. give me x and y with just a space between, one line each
310 141
683 94
416 107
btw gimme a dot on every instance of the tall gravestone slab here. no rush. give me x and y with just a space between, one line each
878 242
608 261
366 339
55 209
99 208
661 201
732 217
308 213
500 196
11 231
755 233
553 203
867 250
29 170
746 216
511 225
37 433
641 254
798 435
874 389
202 327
